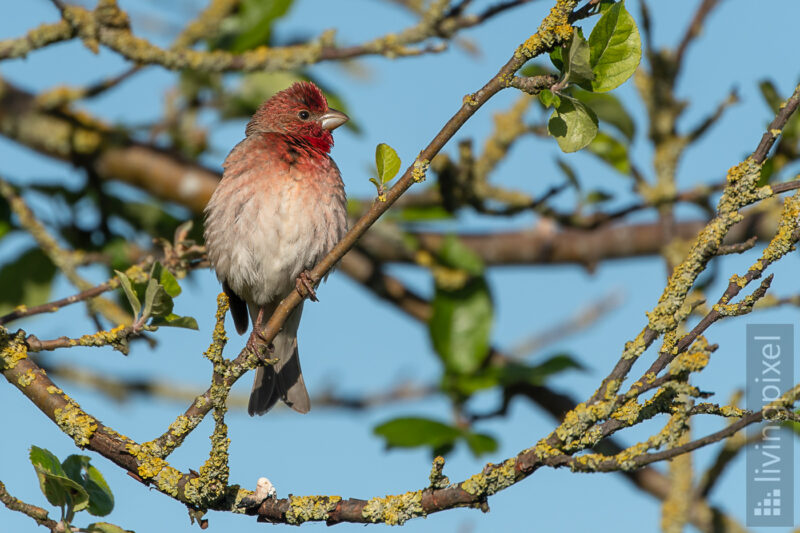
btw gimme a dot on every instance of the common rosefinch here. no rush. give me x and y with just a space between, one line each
279 208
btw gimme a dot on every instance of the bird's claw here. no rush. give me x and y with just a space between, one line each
305 286
255 344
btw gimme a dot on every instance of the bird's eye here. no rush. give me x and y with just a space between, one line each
304 115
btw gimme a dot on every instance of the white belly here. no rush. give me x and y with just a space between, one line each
269 237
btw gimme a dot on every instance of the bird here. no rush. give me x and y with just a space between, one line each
279 208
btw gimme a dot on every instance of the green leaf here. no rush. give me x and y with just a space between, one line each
572 124
79 469
770 94
5 219
611 151
411 432
509 375
59 490
577 68
387 161
794 426
460 325
615 48
26 280
549 98
175 321
251 26
538 374
73 467
169 283
455 254
609 110
767 172
465 385
480 443
461 319
118 252
105 527
101 499
149 297
125 282
791 131
557 58
45 460
597 196
157 302
605 5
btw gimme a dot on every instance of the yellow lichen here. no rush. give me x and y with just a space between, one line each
305 508
181 426
420 168
13 352
437 478
200 402
239 495
102 338
554 29
149 467
732 411
693 361
543 450
167 480
635 348
493 479
784 240
86 141
27 378
394 510
76 423
584 416
628 412
137 274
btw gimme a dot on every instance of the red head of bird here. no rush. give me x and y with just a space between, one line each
300 111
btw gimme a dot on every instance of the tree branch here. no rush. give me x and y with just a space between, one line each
366 272
695 27
109 26
37 513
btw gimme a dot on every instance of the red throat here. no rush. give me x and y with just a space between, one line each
322 142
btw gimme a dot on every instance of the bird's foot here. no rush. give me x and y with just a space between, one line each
305 286
257 344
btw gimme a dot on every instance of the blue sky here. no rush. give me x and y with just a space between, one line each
352 343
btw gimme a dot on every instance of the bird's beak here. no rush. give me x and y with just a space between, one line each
333 119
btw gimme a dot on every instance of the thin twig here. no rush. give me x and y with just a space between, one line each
695 27
37 513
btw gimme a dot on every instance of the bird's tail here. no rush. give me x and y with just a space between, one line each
284 379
